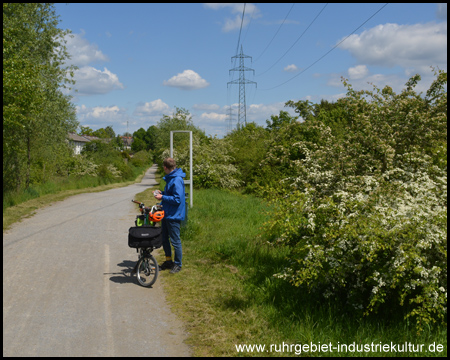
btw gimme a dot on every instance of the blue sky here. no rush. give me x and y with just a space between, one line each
138 62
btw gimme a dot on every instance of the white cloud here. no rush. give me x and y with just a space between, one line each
396 80
82 51
291 68
98 116
418 46
102 112
187 80
90 81
214 116
259 113
152 108
358 72
251 11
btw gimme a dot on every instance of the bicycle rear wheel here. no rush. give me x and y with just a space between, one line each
147 270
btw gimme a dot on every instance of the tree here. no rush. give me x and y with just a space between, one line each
248 146
278 121
86 130
151 137
180 120
104 133
35 112
138 144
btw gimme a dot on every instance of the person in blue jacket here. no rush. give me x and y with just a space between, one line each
173 203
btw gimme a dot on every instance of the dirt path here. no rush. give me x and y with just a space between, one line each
67 290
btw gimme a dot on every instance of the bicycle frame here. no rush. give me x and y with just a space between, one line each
147 268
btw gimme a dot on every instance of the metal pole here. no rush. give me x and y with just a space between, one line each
171 144
190 166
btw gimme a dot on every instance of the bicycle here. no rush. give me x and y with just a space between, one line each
146 237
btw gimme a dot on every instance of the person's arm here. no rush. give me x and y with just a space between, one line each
176 190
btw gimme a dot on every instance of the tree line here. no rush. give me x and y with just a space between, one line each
36 114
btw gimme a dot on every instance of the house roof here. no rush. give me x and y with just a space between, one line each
127 140
76 137
85 138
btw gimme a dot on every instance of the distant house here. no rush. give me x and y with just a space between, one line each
78 142
127 141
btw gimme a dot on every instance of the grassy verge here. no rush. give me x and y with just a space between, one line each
31 200
227 295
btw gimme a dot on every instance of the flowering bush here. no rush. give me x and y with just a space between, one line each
365 212
81 165
212 166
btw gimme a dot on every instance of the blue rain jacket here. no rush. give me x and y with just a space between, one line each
173 200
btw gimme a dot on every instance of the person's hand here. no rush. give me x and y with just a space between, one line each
157 194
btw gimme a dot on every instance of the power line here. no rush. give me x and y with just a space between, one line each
250 21
276 32
320 12
239 39
334 47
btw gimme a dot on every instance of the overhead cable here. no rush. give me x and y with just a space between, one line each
334 47
296 40
275 33
239 39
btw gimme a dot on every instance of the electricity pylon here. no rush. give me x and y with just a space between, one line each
242 114
230 120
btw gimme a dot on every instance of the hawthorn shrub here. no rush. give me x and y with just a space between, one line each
364 213
212 163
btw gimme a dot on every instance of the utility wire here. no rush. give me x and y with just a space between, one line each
276 32
334 47
250 21
239 39
320 12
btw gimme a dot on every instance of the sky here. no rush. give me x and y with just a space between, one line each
139 62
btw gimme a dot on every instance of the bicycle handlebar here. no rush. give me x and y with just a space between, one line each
144 207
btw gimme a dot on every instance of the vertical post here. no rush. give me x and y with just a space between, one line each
191 185
171 144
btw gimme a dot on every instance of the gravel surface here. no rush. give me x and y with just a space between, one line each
67 287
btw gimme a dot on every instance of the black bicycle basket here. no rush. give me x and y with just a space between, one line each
145 236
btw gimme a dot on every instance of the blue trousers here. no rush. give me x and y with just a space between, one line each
171 229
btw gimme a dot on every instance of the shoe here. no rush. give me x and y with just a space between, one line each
166 265
175 269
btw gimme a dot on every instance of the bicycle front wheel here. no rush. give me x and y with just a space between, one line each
147 270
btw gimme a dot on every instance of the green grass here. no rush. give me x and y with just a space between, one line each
227 295
61 184
22 204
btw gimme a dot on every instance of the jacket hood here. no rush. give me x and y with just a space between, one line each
176 173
